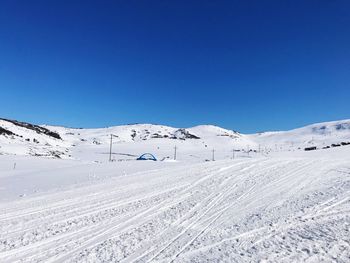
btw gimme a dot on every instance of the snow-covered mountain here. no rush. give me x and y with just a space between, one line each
27 139
282 204
320 135
129 141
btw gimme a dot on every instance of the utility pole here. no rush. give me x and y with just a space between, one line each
213 157
175 152
110 149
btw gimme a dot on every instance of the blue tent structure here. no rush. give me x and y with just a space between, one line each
147 156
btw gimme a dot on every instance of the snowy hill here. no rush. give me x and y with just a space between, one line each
28 139
283 204
319 135
242 210
129 141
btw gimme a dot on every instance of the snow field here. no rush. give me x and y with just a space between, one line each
273 209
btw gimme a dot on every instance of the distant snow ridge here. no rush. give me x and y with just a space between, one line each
23 138
36 128
319 135
325 127
211 130
338 126
183 134
161 133
128 140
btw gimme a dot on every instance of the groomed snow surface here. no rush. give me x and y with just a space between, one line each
62 201
263 209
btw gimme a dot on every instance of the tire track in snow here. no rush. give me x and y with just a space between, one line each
281 227
77 208
222 210
103 234
221 190
172 202
226 192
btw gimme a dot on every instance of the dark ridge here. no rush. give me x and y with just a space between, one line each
37 128
183 134
6 132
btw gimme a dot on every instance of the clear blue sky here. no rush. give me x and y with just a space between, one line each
244 65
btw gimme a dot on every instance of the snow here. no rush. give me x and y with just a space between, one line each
129 141
281 204
319 135
23 142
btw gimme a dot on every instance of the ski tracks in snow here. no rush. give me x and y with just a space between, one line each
202 211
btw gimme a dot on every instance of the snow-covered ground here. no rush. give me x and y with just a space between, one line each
194 144
279 204
320 135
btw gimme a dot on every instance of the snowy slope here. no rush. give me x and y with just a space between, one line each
196 143
319 135
129 141
27 139
282 204
243 210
